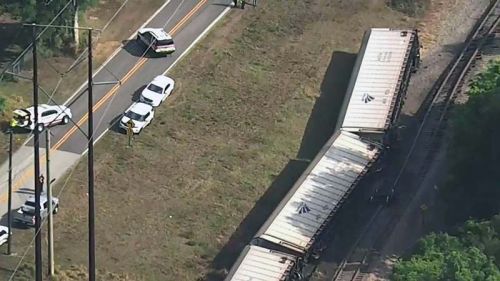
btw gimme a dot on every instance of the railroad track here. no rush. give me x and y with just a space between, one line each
432 123
431 127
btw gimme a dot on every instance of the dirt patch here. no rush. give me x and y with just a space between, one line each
443 31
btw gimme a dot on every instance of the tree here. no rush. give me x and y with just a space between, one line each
472 189
441 257
410 7
484 236
42 12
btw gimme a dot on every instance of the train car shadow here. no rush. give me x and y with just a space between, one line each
321 124
319 129
255 218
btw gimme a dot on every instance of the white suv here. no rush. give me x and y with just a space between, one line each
157 39
158 90
48 115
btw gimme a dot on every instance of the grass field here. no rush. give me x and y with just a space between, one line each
261 90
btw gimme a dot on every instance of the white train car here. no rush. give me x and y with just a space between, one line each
319 192
378 84
260 264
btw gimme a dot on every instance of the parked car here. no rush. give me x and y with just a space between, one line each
158 90
26 214
139 115
48 115
4 234
157 39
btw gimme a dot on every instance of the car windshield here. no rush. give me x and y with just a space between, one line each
134 116
3 232
165 42
154 88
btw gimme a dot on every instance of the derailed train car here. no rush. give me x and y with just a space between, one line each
378 84
308 207
260 264
319 192
371 107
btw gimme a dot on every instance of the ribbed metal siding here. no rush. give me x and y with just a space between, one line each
314 199
261 264
378 80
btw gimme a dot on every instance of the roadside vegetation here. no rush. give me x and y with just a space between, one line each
471 191
410 7
42 12
472 254
168 205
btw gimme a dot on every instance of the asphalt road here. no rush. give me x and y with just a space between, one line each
134 71
186 20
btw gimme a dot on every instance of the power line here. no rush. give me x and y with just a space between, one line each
92 133
77 61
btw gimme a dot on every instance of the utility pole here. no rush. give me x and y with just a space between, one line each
90 135
9 204
38 236
49 199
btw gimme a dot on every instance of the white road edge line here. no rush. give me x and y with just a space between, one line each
203 34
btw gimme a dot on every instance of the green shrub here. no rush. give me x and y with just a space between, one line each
410 7
487 81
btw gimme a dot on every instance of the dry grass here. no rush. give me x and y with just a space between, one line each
169 204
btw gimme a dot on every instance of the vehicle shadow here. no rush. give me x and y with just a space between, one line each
5 126
138 49
319 129
137 93
15 225
134 48
114 125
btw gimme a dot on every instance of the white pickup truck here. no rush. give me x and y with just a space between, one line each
26 214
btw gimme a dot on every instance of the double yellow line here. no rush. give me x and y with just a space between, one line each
29 173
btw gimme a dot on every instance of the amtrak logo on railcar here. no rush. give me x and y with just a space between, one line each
303 208
366 98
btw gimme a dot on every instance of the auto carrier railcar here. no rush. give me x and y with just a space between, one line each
378 83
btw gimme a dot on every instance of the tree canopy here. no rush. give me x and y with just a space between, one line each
473 186
473 255
42 12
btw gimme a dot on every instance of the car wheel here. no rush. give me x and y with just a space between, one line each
40 127
65 119
56 209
